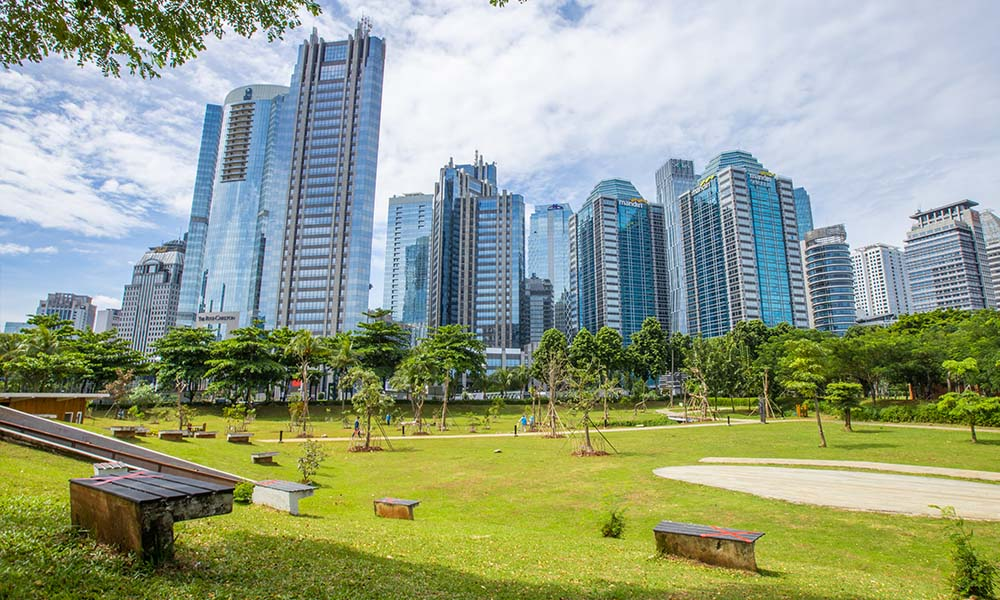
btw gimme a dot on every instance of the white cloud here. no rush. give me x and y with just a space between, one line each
9 249
102 302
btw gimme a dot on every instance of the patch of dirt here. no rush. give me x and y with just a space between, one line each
364 449
585 452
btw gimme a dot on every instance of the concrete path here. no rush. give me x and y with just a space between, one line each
859 464
874 492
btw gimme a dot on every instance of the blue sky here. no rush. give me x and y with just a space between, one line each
878 109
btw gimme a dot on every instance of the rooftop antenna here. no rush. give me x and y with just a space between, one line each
365 25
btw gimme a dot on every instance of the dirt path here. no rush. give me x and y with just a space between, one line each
859 464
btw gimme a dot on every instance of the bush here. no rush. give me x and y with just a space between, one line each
974 576
312 456
243 493
614 527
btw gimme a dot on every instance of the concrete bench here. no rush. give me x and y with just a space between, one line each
281 495
263 458
732 548
238 437
136 512
173 435
395 508
110 468
142 431
124 431
205 434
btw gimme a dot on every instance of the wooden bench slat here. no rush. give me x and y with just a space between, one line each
708 531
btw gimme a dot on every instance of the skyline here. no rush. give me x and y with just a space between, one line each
907 128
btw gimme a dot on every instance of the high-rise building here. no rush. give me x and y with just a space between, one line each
15 326
991 235
803 211
826 258
477 256
539 311
70 307
407 248
741 251
325 266
675 177
107 319
149 304
946 260
548 257
881 291
618 271
193 286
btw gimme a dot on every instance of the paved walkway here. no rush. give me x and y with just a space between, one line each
874 492
859 464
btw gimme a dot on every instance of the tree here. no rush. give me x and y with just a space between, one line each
184 354
309 462
583 352
148 35
369 399
960 370
845 396
103 355
551 361
455 350
610 358
380 343
307 350
243 364
804 370
969 407
585 381
417 371
647 354
339 357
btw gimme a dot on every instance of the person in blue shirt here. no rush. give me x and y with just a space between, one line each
357 428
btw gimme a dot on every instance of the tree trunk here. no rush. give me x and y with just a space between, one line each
972 428
444 405
180 415
368 430
552 402
418 414
305 397
605 409
819 424
586 433
847 419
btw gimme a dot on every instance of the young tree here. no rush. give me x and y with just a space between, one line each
585 380
551 361
610 358
369 399
804 370
415 374
243 364
969 407
147 35
845 396
339 357
184 354
309 462
583 352
647 354
380 343
308 351
455 350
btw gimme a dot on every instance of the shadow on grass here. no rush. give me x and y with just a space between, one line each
863 446
988 442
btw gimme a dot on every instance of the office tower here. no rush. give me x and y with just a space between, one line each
540 313
407 247
803 211
548 257
477 256
107 319
70 307
618 271
881 290
826 259
946 260
991 235
741 253
675 177
336 96
15 326
149 305
193 286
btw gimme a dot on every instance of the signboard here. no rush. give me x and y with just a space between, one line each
218 318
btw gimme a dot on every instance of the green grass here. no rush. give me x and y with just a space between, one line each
523 523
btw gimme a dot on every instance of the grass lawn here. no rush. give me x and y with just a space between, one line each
522 523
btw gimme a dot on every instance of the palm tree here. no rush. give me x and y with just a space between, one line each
306 349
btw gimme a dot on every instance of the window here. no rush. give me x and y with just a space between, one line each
333 72
338 52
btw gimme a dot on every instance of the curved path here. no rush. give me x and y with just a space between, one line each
874 492
859 464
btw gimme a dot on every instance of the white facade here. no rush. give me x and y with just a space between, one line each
71 307
149 304
881 290
107 319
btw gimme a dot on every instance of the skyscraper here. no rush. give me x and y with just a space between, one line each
107 319
149 304
618 271
741 254
70 307
991 235
675 177
539 313
407 247
881 290
826 258
548 257
946 261
336 95
477 255
803 211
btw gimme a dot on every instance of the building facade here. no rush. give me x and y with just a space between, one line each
548 257
991 235
325 265
741 251
803 211
70 307
881 290
826 259
149 304
539 309
946 259
675 177
107 319
477 255
15 326
618 271
407 254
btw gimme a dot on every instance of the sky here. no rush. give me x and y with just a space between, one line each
877 109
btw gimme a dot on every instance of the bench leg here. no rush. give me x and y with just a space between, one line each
158 536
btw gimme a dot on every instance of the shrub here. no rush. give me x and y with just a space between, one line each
243 493
614 526
974 576
312 456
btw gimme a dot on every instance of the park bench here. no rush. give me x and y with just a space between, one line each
263 458
239 437
282 495
173 435
136 512
142 431
205 434
395 508
124 432
110 468
719 546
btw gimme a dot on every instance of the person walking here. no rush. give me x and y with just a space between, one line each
357 428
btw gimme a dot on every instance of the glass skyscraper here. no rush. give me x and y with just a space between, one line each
675 177
407 248
336 96
803 211
548 256
618 271
829 274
